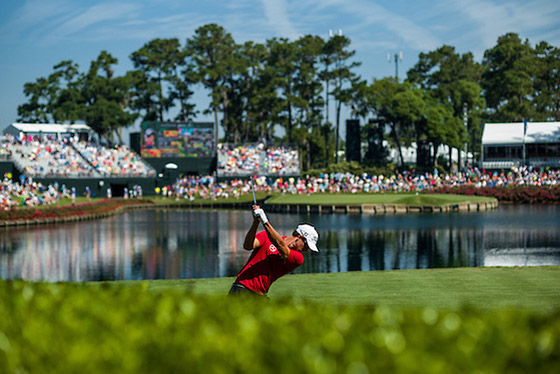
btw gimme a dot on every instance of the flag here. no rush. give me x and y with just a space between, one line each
524 127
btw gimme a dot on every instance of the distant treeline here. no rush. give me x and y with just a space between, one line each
255 87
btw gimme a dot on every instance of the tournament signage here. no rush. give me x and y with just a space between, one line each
177 139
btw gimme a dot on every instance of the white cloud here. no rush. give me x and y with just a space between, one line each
276 13
92 16
527 19
367 14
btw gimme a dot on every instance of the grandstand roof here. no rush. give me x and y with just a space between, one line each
512 133
48 127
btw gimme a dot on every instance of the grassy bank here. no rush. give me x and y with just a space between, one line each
342 199
85 207
407 325
365 198
534 289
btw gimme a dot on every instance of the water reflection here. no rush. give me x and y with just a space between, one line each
168 244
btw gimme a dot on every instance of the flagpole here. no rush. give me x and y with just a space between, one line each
524 132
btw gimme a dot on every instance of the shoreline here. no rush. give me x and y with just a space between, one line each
368 209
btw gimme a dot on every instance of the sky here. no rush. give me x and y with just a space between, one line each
35 35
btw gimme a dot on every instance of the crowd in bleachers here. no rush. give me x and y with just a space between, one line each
48 156
256 159
117 161
28 193
282 161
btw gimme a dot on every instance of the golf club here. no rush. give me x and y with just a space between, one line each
253 188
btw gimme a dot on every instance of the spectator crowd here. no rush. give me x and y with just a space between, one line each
256 159
277 169
49 156
206 187
26 192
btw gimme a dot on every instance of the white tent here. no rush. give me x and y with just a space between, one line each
507 145
512 133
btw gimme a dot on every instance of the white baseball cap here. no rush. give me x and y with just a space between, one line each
310 234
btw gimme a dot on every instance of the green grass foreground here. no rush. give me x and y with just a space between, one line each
535 289
381 322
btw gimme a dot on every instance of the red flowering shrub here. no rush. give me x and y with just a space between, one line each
85 209
513 194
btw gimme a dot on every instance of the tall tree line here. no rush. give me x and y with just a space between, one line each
256 88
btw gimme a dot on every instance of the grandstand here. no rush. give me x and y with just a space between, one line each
242 160
68 154
71 155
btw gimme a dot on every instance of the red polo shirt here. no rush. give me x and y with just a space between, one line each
266 265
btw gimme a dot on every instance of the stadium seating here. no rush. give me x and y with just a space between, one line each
68 158
248 159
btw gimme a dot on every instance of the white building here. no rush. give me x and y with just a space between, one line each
507 145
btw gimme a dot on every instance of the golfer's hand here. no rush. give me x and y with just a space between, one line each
260 215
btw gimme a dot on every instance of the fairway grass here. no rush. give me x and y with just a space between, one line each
339 199
376 198
534 289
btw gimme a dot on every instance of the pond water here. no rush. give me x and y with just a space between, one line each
171 244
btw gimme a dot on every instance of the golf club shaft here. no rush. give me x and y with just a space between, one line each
253 188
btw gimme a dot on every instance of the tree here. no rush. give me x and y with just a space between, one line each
257 99
39 94
211 50
159 60
335 52
307 88
546 96
453 80
282 64
507 78
378 102
55 98
106 98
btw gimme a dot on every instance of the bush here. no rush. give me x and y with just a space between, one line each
45 211
354 168
512 194
78 328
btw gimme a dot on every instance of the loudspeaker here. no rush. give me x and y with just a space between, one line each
353 142
135 142
424 155
375 150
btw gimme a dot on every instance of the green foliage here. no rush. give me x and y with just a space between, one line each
74 328
507 78
353 167
69 210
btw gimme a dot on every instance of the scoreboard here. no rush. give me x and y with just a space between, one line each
177 139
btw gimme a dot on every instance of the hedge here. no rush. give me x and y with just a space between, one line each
511 194
79 328
72 210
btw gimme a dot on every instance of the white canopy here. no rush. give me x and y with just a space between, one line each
49 127
512 133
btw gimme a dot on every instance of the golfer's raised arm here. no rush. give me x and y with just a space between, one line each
277 240
272 234
250 242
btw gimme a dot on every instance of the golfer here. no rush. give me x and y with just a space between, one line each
273 255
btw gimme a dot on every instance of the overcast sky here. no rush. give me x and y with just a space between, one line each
35 35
